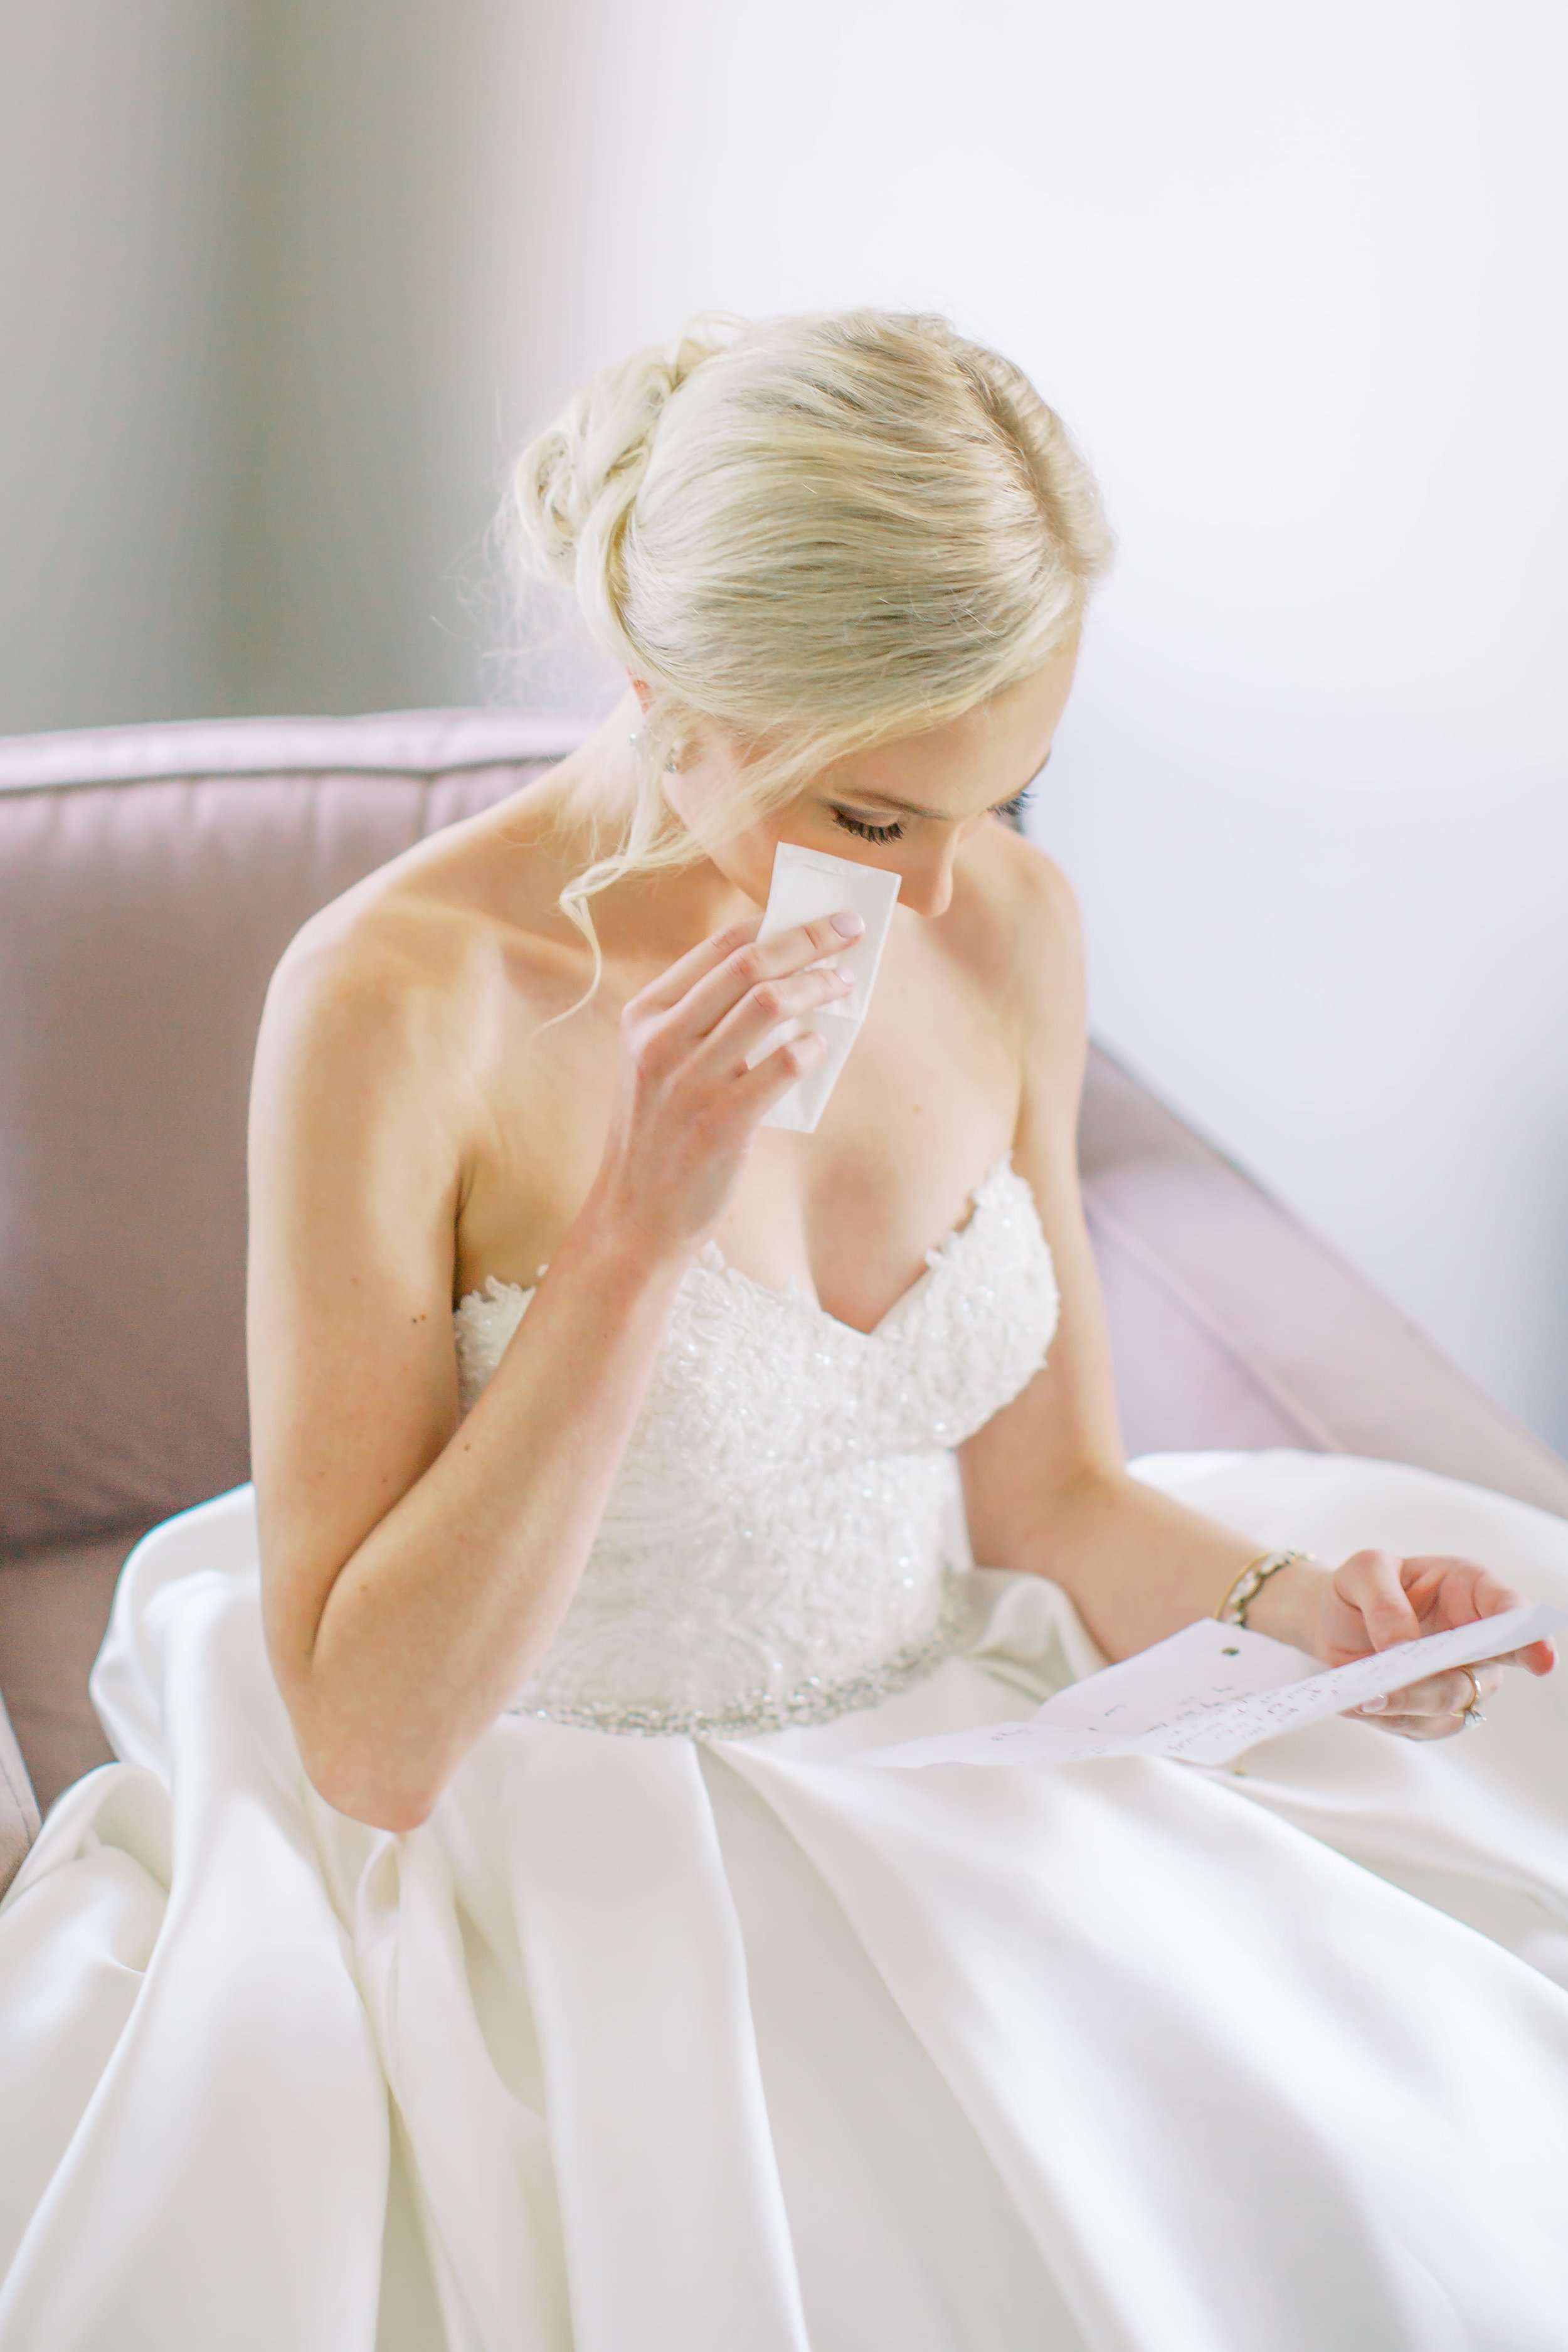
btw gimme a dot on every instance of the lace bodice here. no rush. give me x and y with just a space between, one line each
782 1538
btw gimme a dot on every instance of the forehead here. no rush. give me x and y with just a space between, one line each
970 762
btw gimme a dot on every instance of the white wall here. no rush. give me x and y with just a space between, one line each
1295 278
248 362
371 399
122 183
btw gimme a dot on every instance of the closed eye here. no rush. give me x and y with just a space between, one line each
856 824
866 829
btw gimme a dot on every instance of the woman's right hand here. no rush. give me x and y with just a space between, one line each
686 1106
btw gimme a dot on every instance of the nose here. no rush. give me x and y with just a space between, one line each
926 884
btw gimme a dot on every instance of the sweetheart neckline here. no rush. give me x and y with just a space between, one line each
493 1290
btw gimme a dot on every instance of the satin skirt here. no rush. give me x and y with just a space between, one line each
646 2045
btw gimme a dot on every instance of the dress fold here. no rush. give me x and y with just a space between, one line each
235 2143
675 2229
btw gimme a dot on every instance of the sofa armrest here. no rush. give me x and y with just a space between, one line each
18 1811
1233 1325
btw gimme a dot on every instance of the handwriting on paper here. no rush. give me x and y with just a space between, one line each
1212 1691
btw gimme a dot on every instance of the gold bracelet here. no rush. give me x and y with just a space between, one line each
1233 1608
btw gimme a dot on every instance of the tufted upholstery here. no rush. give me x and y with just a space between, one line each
149 880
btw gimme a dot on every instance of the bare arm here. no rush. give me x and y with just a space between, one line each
415 1566
1045 1481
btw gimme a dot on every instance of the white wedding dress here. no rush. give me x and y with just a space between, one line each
674 2029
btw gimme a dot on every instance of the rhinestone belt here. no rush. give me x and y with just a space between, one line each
815 1700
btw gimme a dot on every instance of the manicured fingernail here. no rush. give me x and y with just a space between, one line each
848 925
846 977
1373 1705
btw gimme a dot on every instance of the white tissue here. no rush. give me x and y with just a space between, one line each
807 884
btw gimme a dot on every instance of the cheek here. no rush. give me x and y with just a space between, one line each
746 858
749 860
702 801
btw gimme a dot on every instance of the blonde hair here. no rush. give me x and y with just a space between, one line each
814 534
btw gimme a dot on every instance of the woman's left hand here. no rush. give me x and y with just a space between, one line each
1374 1599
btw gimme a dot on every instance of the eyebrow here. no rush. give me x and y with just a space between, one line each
909 808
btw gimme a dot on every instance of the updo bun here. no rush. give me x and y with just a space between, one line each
814 534
575 485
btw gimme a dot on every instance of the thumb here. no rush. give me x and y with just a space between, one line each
1371 1579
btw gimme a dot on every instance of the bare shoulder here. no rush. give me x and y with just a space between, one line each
379 988
400 975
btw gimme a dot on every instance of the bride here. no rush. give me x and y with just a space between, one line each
488 1941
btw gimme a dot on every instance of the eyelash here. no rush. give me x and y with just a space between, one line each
894 832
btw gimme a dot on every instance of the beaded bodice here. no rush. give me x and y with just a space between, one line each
782 1537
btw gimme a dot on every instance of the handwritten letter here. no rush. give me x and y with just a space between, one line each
1212 1691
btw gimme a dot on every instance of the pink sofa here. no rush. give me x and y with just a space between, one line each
149 878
